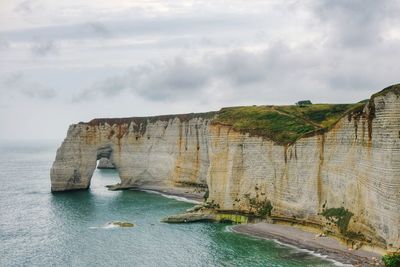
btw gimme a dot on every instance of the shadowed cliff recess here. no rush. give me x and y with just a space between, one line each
331 166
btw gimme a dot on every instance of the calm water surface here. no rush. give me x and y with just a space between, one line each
38 228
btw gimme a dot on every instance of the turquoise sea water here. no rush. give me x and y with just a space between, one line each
38 228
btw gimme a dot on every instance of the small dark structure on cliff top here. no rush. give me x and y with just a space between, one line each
303 103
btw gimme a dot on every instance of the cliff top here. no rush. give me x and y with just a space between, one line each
395 88
152 119
284 124
281 124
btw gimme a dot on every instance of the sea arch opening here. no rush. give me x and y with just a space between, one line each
105 174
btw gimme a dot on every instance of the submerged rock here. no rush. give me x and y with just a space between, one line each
121 224
114 187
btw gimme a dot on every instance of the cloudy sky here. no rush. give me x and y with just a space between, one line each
68 61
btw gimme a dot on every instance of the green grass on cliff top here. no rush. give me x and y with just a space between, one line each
283 124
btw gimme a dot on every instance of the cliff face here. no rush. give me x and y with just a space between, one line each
105 163
345 180
169 151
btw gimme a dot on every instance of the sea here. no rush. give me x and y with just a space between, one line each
40 228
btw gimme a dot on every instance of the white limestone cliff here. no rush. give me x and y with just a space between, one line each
353 168
105 163
168 151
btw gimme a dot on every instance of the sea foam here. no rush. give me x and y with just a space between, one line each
178 198
316 254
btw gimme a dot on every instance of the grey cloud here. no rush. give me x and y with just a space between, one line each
4 44
241 74
12 80
25 7
241 53
355 81
141 26
247 68
17 82
108 87
175 78
43 48
353 28
241 67
172 79
97 28
358 22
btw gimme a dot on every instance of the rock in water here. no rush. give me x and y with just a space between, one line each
105 163
122 224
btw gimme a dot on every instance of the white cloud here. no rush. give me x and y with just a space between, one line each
43 48
18 83
183 56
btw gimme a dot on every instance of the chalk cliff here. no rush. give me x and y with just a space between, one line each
105 163
344 180
163 150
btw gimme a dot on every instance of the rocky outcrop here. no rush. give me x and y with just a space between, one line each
105 163
164 150
121 224
352 169
345 181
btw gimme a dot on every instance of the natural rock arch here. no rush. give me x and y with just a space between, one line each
167 152
79 167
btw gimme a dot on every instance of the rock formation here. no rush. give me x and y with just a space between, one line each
163 150
344 180
105 163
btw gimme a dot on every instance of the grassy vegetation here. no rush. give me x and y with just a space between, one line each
340 216
283 124
324 115
234 218
141 122
206 195
391 260
265 209
261 208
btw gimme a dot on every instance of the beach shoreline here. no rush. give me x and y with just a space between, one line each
326 247
299 238
189 194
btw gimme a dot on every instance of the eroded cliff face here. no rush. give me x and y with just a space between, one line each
168 152
353 168
345 180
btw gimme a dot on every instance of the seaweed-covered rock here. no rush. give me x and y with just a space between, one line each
121 224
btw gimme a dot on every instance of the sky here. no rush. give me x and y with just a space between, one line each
62 62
